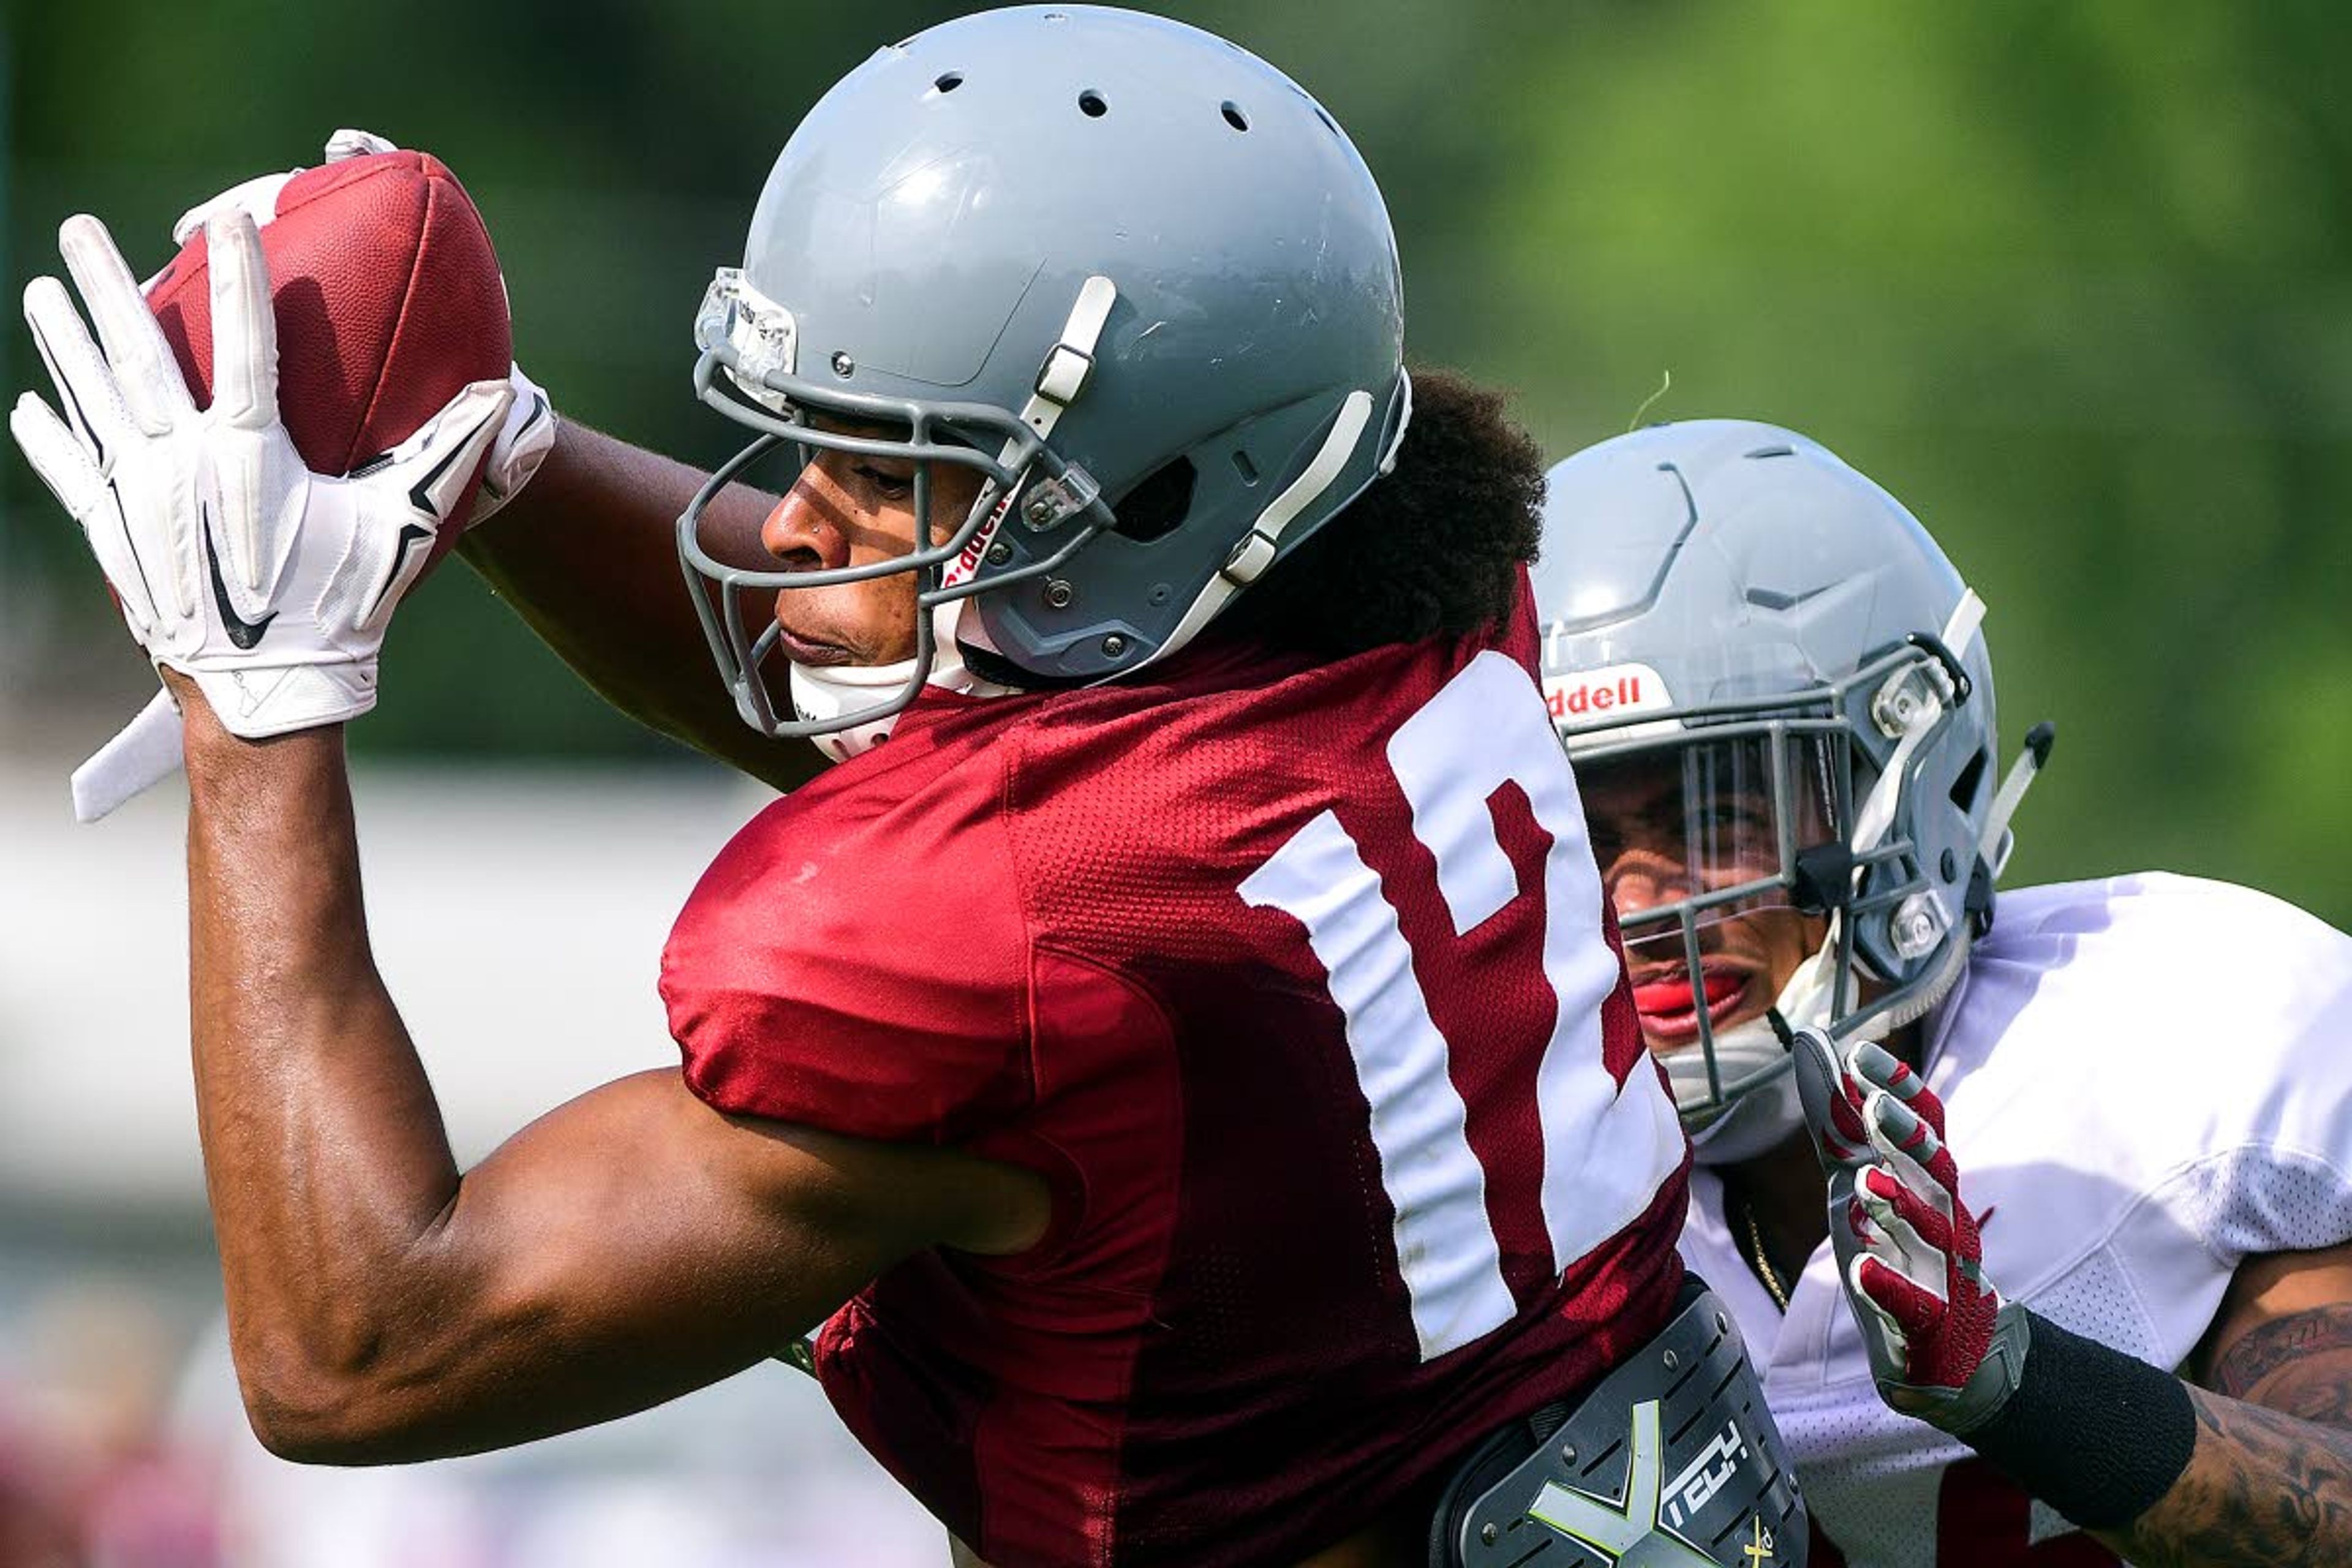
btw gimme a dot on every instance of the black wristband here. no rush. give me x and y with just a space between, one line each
2095 1434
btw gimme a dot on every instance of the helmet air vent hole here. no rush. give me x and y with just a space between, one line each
1091 104
1157 503
1233 115
1243 467
1964 788
948 82
1775 451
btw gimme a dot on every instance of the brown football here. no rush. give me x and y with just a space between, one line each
388 302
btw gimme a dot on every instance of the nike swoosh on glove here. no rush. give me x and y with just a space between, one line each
1943 1345
148 749
269 586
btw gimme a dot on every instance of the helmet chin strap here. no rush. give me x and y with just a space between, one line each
1765 1114
1759 1115
827 692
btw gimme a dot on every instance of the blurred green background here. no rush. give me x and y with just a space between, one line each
2071 280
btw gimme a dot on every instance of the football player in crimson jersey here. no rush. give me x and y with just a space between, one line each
1179 1055
1781 713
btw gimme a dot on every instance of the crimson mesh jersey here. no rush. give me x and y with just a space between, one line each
1291 979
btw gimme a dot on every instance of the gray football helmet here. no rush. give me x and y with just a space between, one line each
1762 663
1129 273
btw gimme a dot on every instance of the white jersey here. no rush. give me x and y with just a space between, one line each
2147 1080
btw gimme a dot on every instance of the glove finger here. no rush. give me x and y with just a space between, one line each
59 459
1890 1202
153 388
86 387
244 391
258 195
65 466
1880 1067
444 454
1897 1128
1915 1312
244 328
524 442
430 471
1839 1134
347 142
1896 1151
1886 1338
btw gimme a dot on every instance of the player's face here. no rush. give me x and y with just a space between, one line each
1671 826
848 508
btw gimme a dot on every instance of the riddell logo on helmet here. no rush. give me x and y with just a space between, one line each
966 565
1596 696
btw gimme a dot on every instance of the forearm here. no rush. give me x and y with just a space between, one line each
379 1307
325 1159
2261 1488
588 556
2168 1473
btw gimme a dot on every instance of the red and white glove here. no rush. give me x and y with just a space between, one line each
1943 1344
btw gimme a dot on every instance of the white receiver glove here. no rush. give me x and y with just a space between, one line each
147 751
268 585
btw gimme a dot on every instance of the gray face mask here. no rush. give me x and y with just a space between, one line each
1728 1126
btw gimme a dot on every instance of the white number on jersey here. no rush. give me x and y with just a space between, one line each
1605 1152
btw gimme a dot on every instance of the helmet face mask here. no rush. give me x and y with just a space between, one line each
1133 276
740 373
1750 809
1720 817
1740 618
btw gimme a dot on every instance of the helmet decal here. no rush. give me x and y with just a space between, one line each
1606 695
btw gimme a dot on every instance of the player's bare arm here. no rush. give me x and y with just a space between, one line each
588 557
2261 1488
625 1248
2271 1478
980 531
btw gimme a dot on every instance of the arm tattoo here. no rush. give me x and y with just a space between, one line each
2263 1490
2309 1337
2269 1483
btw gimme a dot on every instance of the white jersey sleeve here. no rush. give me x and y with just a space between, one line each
2147 1079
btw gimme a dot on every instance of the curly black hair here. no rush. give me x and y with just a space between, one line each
1427 550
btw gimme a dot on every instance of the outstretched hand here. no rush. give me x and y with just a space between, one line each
269 586
1943 1344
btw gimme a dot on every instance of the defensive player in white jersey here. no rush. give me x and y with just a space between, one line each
1781 710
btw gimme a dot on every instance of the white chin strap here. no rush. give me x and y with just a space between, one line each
824 691
1760 1118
